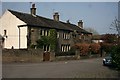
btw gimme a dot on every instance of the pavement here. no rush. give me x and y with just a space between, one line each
88 68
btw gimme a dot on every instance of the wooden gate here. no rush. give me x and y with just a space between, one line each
46 56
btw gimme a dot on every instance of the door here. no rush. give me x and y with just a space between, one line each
46 56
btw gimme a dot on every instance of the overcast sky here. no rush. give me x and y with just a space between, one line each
96 15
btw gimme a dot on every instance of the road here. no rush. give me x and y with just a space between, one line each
89 68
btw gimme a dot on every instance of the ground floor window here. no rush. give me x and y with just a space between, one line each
46 48
65 47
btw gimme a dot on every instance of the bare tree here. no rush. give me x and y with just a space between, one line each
116 26
92 31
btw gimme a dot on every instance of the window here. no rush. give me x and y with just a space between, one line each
63 35
65 47
74 35
80 37
62 48
5 32
58 35
40 32
46 48
69 47
44 32
66 35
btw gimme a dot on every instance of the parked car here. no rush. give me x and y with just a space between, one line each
107 61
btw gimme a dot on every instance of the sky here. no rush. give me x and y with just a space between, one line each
96 15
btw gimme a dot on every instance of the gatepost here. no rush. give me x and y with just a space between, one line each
52 56
77 54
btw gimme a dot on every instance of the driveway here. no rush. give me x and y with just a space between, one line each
89 68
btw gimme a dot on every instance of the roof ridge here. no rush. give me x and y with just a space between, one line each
16 11
31 15
40 16
44 21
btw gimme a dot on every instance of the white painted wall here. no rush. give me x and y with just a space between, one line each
97 41
10 23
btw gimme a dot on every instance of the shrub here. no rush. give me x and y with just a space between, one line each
83 47
107 47
48 40
94 48
43 41
53 39
32 46
116 56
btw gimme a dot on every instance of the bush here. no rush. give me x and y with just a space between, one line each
107 47
116 56
83 47
95 48
32 46
48 40
70 53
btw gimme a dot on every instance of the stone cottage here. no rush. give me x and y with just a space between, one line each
20 30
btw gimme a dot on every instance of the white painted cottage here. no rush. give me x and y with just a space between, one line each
10 31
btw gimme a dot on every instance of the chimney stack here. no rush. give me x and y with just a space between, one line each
56 16
33 10
80 24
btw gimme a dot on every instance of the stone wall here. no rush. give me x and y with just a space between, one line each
24 55
36 55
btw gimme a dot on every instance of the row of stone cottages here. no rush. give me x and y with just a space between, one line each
20 30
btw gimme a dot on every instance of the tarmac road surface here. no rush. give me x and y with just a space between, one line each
89 68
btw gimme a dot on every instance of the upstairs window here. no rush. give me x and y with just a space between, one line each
58 34
44 32
66 35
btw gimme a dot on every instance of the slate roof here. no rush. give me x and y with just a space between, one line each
74 27
39 21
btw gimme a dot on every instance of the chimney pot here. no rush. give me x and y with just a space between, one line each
33 5
56 16
80 24
33 9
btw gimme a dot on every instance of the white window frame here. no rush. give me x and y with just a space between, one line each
42 32
46 32
62 48
65 47
58 34
46 48
69 47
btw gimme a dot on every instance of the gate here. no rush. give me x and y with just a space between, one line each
46 56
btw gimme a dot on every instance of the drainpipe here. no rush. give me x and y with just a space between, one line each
19 36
